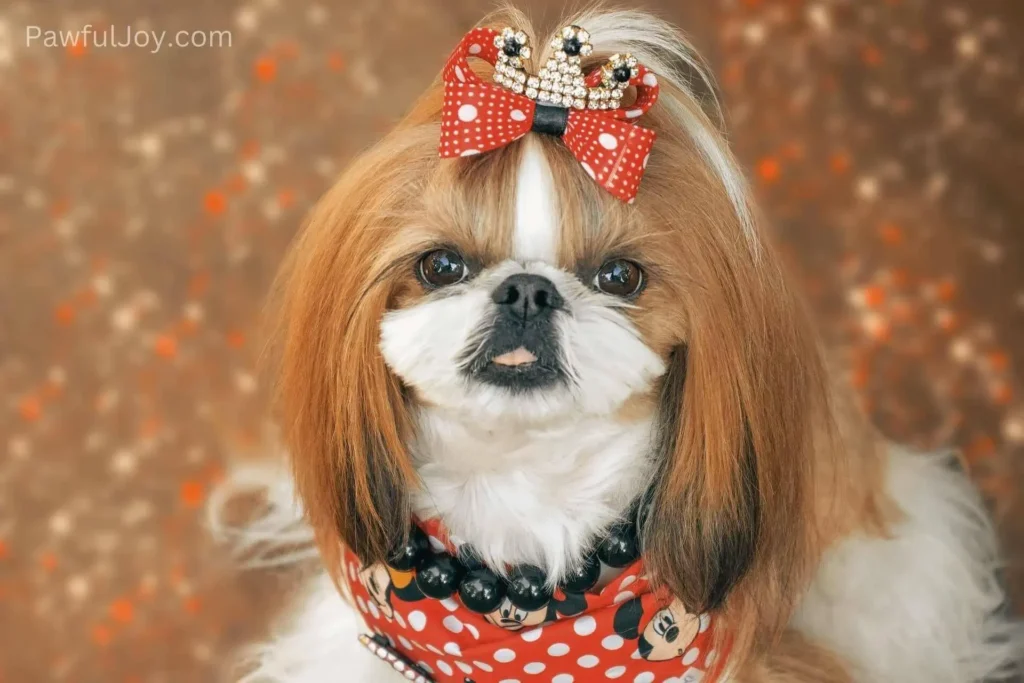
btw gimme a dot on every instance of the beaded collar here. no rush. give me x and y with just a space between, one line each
624 631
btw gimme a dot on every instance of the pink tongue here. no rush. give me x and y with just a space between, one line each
518 357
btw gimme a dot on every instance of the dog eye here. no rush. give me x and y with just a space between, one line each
442 267
620 277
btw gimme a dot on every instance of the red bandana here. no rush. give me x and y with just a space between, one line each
480 117
625 632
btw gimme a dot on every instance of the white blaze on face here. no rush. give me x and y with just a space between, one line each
536 234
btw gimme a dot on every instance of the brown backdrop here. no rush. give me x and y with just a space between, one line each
146 199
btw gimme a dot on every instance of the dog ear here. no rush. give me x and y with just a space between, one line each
342 411
719 548
627 619
730 515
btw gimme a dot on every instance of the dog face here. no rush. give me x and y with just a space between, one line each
509 288
521 338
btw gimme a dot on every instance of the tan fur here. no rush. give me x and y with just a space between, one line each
794 660
754 432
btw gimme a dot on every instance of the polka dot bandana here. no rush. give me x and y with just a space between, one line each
625 631
479 117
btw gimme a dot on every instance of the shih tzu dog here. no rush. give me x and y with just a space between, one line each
556 414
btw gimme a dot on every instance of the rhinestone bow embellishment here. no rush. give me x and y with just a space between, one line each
590 112
561 81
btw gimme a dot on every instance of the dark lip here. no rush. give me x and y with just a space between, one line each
536 375
504 337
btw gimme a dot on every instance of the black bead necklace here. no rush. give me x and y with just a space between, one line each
441 575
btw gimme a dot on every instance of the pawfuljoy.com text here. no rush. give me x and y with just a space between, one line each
90 36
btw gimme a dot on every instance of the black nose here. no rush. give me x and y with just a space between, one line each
527 296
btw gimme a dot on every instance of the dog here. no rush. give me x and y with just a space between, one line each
506 340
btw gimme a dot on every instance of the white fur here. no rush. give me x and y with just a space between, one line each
530 494
536 234
316 643
921 606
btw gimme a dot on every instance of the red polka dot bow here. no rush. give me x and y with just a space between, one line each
587 112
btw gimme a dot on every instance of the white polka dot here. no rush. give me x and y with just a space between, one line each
475 49
558 650
361 604
710 659
518 115
418 620
615 672
504 655
705 622
608 141
563 678
426 667
629 580
405 642
459 75
483 666
646 159
450 604
533 635
473 631
650 80
612 642
584 626
373 610
400 620
586 167
453 624
645 677
509 680
534 668
453 649
470 152
465 668
588 661
691 656
467 113
443 666
634 113
436 544
623 596
434 649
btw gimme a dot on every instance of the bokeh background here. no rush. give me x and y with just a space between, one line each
146 200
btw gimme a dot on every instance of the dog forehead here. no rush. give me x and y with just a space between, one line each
536 226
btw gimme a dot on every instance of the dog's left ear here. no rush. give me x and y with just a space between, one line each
729 516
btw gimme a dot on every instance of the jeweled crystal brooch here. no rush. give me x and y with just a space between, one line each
561 81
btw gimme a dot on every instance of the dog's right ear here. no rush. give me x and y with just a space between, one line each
342 411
